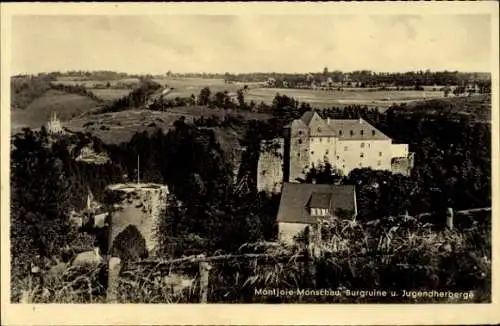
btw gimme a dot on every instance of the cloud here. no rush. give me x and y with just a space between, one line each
217 43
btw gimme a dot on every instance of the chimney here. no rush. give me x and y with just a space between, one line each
360 120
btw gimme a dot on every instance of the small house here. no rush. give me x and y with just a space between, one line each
305 205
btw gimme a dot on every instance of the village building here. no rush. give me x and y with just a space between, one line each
271 82
304 205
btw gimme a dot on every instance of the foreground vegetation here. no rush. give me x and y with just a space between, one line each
391 255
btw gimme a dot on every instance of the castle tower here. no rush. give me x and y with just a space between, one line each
138 209
296 156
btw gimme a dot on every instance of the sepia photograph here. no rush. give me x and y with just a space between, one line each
248 157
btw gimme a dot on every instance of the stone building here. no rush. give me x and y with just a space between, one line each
346 144
304 205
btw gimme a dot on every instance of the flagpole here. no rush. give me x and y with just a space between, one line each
137 169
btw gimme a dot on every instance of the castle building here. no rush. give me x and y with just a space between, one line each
346 144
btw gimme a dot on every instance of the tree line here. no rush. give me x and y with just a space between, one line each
25 90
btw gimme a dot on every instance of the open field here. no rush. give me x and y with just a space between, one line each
121 126
38 112
109 94
325 99
185 87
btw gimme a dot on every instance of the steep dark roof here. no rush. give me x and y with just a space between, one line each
295 198
361 129
344 129
307 117
320 199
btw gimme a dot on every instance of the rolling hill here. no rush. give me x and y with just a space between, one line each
38 112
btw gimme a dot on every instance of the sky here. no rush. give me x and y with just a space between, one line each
245 43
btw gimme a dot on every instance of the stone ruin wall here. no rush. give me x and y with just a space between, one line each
403 165
270 166
141 206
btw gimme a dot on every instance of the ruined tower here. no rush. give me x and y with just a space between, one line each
139 208
296 156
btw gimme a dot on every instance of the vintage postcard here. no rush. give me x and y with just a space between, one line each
260 163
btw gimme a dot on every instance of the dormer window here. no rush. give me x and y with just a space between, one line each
373 132
319 204
362 132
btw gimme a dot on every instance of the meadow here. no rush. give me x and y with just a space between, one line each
353 96
185 87
38 112
109 94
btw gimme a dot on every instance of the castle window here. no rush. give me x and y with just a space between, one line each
298 154
299 141
373 132
345 148
320 139
362 132
362 145
326 152
368 145
319 129
312 152
338 157
340 132
378 163
379 153
361 155
300 133
352 133
264 172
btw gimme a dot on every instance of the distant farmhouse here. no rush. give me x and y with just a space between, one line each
304 205
311 141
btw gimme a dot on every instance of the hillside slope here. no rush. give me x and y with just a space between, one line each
477 106
38 112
